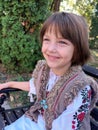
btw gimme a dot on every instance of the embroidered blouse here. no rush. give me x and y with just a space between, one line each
71 118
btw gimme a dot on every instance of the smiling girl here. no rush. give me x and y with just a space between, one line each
65 94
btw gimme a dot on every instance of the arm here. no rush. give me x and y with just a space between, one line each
14 84
23 85
72 117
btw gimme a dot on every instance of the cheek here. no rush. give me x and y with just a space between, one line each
43 49
74 57
67 54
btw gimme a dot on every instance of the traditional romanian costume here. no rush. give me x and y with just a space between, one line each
63 102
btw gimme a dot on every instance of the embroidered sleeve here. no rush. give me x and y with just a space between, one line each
32 89
72 117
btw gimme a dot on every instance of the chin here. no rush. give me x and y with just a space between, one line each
52 65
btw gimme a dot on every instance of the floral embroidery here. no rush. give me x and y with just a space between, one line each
83 109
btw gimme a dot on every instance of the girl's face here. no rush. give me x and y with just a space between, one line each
57 51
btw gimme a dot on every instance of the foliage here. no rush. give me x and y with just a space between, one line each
20 22
94 29
88 9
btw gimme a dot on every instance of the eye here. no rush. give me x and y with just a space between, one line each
45 39
62 42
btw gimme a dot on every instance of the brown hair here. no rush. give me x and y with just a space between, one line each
74 28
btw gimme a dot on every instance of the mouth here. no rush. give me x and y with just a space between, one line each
52 58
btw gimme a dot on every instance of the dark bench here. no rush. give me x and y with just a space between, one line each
10 115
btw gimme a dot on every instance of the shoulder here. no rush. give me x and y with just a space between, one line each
40 63
86 79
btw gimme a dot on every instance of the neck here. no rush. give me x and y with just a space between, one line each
60 72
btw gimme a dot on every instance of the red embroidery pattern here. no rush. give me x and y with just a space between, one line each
80 113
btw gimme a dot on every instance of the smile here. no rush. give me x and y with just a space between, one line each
52 57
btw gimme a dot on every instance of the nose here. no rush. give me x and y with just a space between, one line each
52 47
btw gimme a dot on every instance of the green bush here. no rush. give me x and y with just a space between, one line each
94 29
20 23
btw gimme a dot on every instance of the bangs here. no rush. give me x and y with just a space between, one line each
54 28
58 25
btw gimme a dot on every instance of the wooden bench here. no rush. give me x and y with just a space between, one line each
10 115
